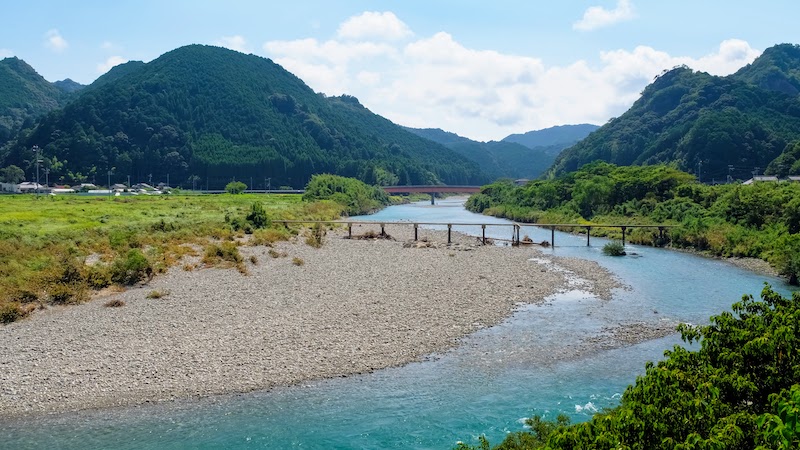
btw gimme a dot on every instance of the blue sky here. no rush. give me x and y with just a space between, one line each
481 69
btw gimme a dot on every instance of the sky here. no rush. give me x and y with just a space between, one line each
480 69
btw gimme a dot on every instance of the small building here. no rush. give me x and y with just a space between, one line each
30 186
793 178
762 179
119 187
521 181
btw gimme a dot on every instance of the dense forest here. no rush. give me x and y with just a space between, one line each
738 391
715 127
760 220
206 115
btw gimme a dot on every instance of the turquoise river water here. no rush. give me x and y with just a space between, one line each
488 385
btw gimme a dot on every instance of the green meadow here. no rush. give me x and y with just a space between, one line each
58 249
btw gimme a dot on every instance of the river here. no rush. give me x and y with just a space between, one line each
489 384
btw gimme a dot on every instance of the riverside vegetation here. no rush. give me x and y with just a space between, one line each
739 390
760 220
58 249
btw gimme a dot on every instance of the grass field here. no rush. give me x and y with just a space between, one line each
45 242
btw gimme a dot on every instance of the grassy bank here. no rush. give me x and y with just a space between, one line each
57 249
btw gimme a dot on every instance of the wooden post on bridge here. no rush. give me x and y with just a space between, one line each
483 234
588 234
415 232
349 230
449 228
552 236
623 236
433 197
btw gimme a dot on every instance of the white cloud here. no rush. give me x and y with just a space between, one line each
54 41
237 42
374 25
107 45
6 53
598 17
109 63
436 81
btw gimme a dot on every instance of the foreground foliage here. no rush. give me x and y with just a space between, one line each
739 390
733 220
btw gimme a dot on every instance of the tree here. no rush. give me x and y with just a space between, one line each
235 187
12 174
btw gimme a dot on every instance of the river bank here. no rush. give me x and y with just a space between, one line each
352 306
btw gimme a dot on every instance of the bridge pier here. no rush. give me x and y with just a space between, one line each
433 197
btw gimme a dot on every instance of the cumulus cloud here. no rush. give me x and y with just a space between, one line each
112 61
375 26
436 81
598 17
54 41
237 42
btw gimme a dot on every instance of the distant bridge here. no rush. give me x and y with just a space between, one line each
432 190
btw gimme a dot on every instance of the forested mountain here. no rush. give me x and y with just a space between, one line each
68 86
24 96
209 114
708 125
777 69
562 136
498 159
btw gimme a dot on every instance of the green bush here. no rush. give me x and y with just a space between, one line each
235 187
614 248
258 216
131 268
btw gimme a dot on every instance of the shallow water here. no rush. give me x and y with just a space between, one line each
494 380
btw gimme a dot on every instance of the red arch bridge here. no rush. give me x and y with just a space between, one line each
432 190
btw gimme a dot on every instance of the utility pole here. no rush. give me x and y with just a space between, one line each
36 155
699 171
47 177
251 184
129 181
730 173
110 192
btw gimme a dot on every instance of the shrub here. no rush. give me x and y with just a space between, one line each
276 254
116 303
298 261
253 260
315 235
614 248
10 312
225 251
98 277
158 293
65 294
257 216
132 268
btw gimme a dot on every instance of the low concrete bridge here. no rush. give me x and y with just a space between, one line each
432 190
514 226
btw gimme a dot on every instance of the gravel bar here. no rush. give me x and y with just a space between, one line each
352 306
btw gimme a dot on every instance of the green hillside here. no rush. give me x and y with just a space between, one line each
711 126
24 96
209 115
